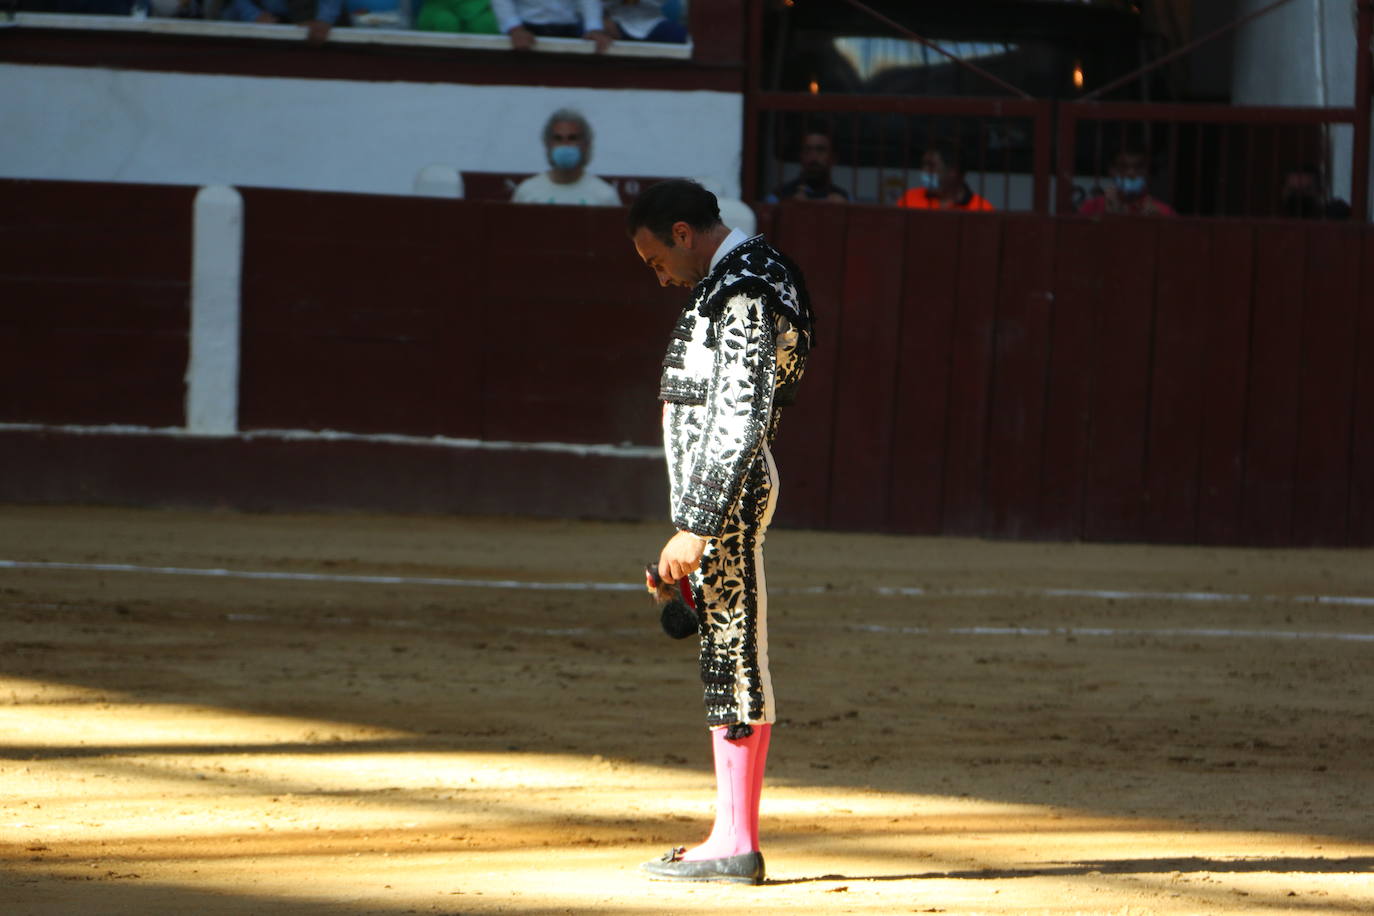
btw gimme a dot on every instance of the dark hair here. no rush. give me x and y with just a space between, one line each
949 154
1305 168
1130 148
672 201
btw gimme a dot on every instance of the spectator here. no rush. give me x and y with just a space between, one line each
471 16
942 184
817 157
1304 196
568 145
1128 190
642 20
318 16
522 20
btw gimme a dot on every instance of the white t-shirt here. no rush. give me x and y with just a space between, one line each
588 190
636 18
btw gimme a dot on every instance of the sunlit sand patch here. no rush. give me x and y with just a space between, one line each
314 811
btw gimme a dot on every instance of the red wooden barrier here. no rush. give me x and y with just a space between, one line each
976 374
94 284
1176 381
431 317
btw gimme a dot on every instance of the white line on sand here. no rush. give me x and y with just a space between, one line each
528 585
913 591
583 450
1116 631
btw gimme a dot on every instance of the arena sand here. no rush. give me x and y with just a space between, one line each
966 727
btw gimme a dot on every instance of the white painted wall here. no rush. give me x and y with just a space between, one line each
94 124
1302 53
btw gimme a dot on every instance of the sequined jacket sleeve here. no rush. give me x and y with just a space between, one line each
737 410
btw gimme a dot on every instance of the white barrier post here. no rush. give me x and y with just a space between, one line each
212 372
439 181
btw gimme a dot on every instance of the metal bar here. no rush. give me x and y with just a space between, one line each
1006 177
882 154
1106 111
854 171
1275 175
1063 191
1359 167
1225 147
903 30
805 101
982 159
749 181
1215 114
1198 137
1179 52
906 157
1173 164
1248 180
1042 165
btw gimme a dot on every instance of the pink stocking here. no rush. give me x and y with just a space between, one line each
739 785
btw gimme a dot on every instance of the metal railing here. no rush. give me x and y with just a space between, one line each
1204 160
1005 143
1046 156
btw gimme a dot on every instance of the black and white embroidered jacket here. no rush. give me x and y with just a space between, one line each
736 356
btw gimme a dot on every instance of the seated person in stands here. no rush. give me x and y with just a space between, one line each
471 16
1127 192
522 20
318 16
645 20
1304 196
817 156
942 184
568 145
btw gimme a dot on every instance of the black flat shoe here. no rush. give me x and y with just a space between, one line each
746 868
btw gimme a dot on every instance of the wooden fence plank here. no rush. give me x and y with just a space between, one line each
1275 380
874 249
1223 385
1121 372
344 301
94 287
573 354
1173 448
813 236
1069 387
1361 510
963 511
1330 319
94 377
925 338
1021 354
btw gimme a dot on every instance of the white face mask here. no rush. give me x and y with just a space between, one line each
930 180
566 157
1131 186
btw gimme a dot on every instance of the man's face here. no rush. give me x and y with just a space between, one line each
567 133
672 264
1129 165
815 156
1300 184
934 163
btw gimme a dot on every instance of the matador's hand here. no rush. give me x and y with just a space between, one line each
680 556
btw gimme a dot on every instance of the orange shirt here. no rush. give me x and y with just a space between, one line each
921 199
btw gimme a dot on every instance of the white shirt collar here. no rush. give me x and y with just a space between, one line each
732 241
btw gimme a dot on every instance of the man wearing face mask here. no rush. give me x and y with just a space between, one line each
1304 198
568 145
942 185
1126 191
817 156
